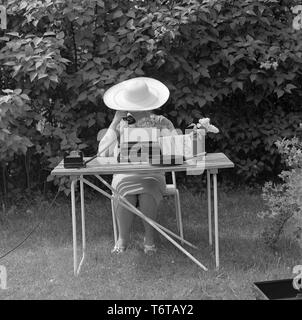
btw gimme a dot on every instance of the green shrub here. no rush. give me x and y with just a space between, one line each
226 56
284 200
247 136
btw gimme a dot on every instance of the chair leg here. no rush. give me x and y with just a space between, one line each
114 222
209 206
178 215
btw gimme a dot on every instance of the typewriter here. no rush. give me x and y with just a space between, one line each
139 145
142 145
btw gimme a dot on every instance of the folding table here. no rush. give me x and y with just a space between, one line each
211 162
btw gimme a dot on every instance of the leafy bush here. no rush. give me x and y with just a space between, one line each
284 200
234 57
248 137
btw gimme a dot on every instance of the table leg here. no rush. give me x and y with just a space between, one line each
74 227
216 220
209 207
83 223
114 223
76 266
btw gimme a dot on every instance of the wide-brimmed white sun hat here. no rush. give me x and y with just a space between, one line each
137 94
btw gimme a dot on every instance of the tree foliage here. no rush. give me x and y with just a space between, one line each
238 60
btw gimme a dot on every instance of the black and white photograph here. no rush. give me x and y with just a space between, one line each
151 153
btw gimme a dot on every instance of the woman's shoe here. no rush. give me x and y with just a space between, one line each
149 249
118 249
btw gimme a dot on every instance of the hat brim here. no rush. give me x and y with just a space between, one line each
115 97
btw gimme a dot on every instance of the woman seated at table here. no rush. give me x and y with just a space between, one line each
138 96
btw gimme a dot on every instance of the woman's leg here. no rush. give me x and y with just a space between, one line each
148 206
124 221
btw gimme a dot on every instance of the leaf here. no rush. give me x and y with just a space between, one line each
17 91
82 146
205 72
46 83
16 70
91 122
23 5
33 76
50 178
251 12
173 113
229 80
130 25
279 80
195 75
49 33
101 3
253 77
10 63
39 64
54 78
25 96
139 72
14 34
237 84
201 101
117 14
280 93
82 96
6 131
289 87
130 14
42 75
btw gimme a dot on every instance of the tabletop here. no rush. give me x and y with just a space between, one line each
111 166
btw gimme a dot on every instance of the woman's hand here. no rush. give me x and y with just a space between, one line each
118 116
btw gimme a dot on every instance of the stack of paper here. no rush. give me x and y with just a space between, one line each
139 135
186 145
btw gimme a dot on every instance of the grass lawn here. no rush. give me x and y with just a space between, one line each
42 268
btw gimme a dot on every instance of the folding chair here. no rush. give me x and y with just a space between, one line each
171 190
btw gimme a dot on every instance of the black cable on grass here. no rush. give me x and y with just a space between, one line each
31 232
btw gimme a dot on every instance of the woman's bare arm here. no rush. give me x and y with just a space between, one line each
110 137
